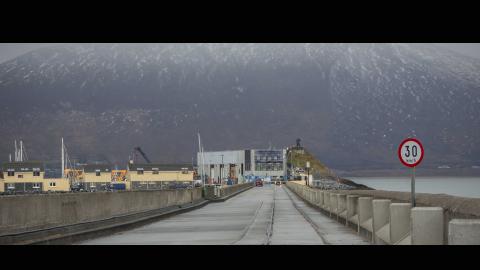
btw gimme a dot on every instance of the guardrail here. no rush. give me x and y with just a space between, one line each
393 223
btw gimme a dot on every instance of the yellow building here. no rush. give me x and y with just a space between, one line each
159 176
56 185
23 177
97 177
29 177
2 185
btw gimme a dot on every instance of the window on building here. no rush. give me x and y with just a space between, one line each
11 173
185 170
36 173
155 170
248 161
20 176
140 172
97 173
36 185
53 184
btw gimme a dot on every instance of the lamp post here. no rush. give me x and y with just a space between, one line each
308 172
221 171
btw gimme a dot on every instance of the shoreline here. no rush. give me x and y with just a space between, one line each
452 172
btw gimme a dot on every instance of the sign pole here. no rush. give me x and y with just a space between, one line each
410 153
413 187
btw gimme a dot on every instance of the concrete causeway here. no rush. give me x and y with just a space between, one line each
262 215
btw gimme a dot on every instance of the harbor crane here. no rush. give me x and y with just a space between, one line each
137 150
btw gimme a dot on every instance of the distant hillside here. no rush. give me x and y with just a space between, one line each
352 104
317 168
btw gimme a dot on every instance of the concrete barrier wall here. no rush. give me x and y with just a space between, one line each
427 226
464 232
216 193
320 198
333 204
352 209
230 190
387 218
454 207
381 221
400 223
34 212
326 201
341 206
365 213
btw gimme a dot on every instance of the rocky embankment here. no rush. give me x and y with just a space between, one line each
324 177
333 183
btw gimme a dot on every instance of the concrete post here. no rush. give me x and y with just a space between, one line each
326 201
464 232
365 213
333 203
320 198
399 221
341 205
380 221
352 205
427 226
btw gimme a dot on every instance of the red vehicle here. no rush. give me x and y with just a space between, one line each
259 183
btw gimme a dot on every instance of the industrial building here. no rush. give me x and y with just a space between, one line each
159 176
238 166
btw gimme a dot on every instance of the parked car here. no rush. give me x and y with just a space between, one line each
259 183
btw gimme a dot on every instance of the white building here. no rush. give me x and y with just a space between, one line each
241 165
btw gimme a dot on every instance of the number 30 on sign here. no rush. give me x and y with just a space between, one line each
410 152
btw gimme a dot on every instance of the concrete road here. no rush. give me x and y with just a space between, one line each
261 215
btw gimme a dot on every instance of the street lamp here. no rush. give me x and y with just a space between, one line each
221 171
308 172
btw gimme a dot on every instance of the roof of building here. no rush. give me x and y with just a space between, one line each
96 167
160 167
26 166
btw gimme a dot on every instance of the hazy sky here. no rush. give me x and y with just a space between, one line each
11 50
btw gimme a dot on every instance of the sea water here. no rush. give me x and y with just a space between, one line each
457 186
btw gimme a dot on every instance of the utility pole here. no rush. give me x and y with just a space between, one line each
221 171
63 160
203 165
308 173
200 161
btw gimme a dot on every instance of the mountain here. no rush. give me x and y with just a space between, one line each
351 104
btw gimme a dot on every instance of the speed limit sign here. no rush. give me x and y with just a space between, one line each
410 152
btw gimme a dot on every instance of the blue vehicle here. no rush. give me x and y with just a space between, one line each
118 186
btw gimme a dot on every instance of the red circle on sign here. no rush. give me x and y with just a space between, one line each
400 154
